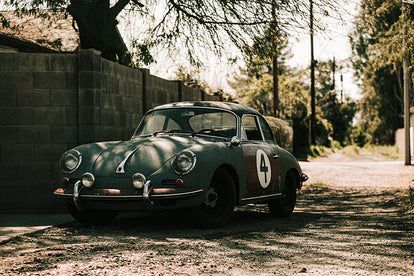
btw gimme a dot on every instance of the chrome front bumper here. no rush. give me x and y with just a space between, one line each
147 195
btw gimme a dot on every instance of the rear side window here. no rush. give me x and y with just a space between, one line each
267 132
251 128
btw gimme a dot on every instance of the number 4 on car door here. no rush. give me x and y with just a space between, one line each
262 168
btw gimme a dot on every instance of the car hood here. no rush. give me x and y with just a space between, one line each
142 155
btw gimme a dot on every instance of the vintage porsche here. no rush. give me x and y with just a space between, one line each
203 157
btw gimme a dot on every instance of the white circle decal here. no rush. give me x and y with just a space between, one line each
264 170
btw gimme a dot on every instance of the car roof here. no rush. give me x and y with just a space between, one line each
239 109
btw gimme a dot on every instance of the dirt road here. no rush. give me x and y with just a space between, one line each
347 222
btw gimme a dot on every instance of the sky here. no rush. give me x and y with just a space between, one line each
333 43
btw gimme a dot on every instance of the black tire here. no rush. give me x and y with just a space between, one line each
218 207
91 217
283 207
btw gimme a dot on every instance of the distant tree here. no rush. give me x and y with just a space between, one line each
339 114
254 84
377 59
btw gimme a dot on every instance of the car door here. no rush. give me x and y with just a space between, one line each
260 157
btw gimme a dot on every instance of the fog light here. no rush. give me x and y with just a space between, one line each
138 180
65 180
179 182
88 180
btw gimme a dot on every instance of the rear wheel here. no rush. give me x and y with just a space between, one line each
91 217
283 207
218 206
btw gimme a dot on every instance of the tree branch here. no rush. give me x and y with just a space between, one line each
118 7
206 22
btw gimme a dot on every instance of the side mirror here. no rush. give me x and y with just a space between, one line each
235 141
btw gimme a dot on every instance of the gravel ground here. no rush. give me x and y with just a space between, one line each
347 222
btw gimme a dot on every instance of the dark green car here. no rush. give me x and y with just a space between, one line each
207 157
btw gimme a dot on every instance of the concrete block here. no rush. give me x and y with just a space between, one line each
63 62
16 79
72 116
55 170
17 153
107 117
90 97
89 80
35 171
8 61
43 193
64 134
117 118
87 134
89 115
63 98
106 100
8 135
33 62
118 102
123 88
33 97
48 153
8 171
89 60
72 80
34 134
8 97
50 116
49 80
16 116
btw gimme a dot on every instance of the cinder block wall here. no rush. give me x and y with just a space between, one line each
52 102
38 121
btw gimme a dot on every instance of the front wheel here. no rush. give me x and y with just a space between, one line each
283 207
91 217
218 205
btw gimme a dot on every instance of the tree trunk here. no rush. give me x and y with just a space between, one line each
98 29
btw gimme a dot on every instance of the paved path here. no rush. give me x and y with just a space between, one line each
12 225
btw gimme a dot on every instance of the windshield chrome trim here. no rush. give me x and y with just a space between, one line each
238 119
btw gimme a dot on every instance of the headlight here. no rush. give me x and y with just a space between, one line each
184 162
70 161
138 180
88 180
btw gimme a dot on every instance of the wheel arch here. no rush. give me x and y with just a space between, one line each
233 174
295 174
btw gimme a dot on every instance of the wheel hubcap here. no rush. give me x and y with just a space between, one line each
211 198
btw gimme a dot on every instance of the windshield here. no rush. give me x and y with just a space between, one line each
189 120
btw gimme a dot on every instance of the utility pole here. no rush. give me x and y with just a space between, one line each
312 88
406 88
342 85
275 65
333 73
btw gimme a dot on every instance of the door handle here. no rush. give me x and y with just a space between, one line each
275 156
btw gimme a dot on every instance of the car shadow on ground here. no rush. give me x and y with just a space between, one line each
341 210
331 227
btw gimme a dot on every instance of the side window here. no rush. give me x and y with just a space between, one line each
267 132
251 128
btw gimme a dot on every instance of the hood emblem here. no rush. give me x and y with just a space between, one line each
121 166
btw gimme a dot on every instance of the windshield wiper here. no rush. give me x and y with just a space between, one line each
209 132
171 131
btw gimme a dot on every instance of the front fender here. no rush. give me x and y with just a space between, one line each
209 158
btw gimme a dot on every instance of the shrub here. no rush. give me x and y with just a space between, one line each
284 131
